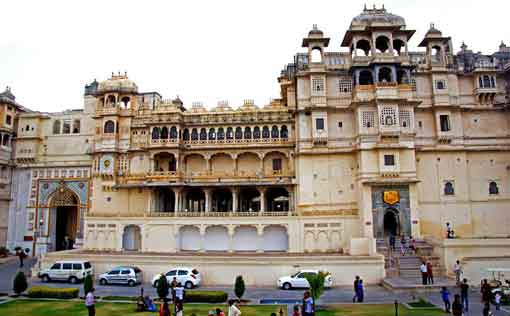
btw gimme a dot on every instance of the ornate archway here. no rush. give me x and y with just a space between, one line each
64 218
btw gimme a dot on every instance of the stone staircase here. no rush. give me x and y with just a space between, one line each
403 272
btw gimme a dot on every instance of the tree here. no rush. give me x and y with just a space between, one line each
316 282
239 287
162 287
20 283
88 284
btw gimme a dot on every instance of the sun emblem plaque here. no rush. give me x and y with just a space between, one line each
391 197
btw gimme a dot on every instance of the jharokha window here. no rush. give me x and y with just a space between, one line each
277 165
448 188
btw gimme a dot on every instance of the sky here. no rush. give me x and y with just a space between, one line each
206 51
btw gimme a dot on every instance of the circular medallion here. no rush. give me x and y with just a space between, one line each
81 185
106 163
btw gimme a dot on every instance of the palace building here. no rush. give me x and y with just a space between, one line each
372 140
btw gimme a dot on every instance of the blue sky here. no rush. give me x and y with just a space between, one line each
200 50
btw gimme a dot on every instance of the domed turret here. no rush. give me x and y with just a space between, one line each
7 96
377 17
118 83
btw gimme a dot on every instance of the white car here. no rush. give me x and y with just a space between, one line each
298 280
188 277
71 271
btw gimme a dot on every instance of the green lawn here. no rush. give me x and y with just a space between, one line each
62 308
374 310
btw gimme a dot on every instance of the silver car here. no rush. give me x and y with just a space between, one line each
122 275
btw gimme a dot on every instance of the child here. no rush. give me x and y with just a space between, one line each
497 300
178 309
296 311
445 295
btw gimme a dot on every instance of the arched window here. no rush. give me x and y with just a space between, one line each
110 101
265 132
316 55
480 82
398 45
5 140
448 188
256 132
274 132
109 127
203 134
156 133
363 48
385 75
76 126
486 82
173 132
239 133
185 134
493 188
56 127
365 78
164 132
194 134
212 134
126 102
247 133
436 54
221 133
284 133
230 133
382 44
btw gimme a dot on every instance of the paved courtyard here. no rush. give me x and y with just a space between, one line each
341 294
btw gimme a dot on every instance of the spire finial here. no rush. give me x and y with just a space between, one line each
374 7
365 7
383 7
432 25
314 26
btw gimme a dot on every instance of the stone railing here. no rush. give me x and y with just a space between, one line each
205 175
191 214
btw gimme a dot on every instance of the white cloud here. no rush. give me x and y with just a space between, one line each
201 50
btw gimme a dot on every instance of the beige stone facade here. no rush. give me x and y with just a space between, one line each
364 143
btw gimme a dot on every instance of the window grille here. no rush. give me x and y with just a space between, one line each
368 119
345 85
405 118
317 85
388 117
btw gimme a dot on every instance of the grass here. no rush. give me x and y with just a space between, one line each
374 310
119 298
66 308
421 303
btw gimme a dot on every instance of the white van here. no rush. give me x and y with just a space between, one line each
71 271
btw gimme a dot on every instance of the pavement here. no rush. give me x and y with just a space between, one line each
335 295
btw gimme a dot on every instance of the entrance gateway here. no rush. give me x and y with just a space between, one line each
391 211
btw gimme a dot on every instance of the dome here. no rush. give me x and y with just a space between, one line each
433 32
315 32
119 83
377 17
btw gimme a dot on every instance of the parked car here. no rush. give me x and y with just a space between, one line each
298 280
188 277
71 271
122 275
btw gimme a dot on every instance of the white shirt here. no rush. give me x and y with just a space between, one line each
179 293
234 311
89 299
423 268
456 267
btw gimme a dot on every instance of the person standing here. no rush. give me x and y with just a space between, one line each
464 291
66 244
234 309
430 275
486 309
90 302
445 296
361 291
403 245
164 310
179 293
308 304
457 306
457 269
392 242
179 309
355 297
173 285
21 255
424 274
497 301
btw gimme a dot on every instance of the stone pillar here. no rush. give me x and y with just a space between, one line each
415 214
149 202
231 230
394 74
260 241
262 199
235 193
177 204
208 164
291 199
208 200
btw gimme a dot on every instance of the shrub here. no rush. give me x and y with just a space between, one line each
49 292
316 282
205 296
4 252
19 284
239 287
88 284
163 287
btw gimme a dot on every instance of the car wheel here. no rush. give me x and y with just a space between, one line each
286 286
46 278
188 285
73 280
131 283
103 282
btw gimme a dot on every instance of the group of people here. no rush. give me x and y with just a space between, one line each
404 248
359 290
427 275
460 302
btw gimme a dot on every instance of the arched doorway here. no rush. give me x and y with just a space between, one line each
391 222
64 205
131 238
